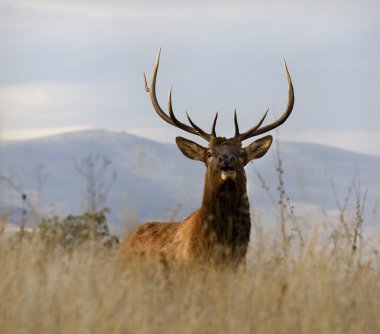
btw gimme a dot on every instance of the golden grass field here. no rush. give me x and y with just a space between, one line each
320 286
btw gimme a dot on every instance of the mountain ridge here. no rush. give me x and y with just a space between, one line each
100 131
154 178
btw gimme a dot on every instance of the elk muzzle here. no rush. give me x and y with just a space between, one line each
227 169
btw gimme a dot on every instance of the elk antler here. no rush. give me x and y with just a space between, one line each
256 130
171 119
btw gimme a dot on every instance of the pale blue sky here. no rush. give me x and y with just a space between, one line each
77 64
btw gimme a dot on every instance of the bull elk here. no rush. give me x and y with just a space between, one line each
219 230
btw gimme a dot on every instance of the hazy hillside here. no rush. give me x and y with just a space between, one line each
153 179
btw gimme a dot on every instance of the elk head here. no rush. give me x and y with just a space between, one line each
224 158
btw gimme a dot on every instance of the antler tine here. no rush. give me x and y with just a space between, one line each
146 84
256 130
236 125
201 133
213 133
241 136
251 131
171 119
194 129
152 91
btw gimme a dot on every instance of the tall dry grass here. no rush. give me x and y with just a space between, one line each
302 280
319 287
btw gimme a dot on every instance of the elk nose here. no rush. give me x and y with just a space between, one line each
226 160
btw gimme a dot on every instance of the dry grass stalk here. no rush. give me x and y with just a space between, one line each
46 290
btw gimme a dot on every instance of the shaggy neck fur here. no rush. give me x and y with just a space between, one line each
224 214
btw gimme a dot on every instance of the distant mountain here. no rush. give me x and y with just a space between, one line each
155 181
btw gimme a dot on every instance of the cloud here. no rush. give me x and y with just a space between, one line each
20 134
338 16
366 142
33 104
51 104
68 64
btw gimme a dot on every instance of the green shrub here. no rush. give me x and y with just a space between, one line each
73 231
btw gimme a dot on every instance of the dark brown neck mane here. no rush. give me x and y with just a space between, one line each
225 215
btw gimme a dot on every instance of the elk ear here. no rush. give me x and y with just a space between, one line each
258 148
190 149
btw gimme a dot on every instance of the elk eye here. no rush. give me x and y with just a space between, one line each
209 154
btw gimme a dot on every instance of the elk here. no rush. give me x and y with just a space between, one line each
219 231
